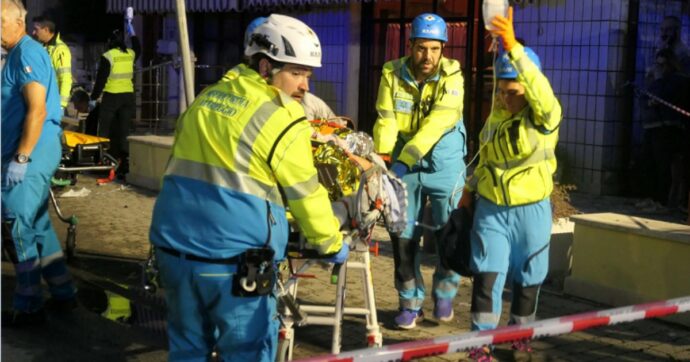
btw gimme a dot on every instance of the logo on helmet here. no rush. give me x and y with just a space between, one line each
429 17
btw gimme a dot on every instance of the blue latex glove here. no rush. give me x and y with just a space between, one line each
92 105
399 169
15 173
130 29
341 256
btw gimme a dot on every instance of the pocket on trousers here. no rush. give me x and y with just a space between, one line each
536 266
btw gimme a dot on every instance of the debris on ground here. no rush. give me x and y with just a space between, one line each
560 201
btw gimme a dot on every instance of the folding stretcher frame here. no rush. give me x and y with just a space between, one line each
298 314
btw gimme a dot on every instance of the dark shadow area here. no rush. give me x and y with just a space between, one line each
82 335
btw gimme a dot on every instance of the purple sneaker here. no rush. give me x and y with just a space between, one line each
443 310
407 319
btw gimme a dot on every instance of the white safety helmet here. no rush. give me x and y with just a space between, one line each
286 40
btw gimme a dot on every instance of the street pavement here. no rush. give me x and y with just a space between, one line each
112 241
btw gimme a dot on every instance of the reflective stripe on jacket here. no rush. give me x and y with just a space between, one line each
61 58
517 155
121 71
240 150
420 116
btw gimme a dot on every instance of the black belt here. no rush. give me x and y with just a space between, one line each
234 260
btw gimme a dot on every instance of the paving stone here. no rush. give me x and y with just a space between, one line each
114 220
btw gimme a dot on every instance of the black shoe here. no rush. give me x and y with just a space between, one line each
61 306
16 319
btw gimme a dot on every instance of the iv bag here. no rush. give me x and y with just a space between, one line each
491 8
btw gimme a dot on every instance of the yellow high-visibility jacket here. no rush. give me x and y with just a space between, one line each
242 154
420 118
61 58
517 155
121 71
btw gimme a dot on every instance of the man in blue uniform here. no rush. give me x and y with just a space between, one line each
30 156
420 125
242 155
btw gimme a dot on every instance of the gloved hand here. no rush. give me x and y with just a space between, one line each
92 105
130 29
503 27
399 169
386 158
15 173
341 256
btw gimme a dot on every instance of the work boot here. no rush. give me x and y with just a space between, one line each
443 310
61 306
17 319
479 354
522 351
407 319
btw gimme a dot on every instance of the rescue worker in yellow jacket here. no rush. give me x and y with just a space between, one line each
45 31
241 157
420 125
512 222
114 80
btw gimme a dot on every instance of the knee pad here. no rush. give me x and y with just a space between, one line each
8 248
404 255
524 300
482 290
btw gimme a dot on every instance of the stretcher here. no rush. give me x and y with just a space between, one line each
352 173
80 153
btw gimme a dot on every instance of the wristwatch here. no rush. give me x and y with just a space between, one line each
21 158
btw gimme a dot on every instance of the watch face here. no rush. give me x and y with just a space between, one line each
22 158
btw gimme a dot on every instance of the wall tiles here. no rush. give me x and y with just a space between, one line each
581 129
579 160
582 46
582 106
597 157
588 157
589 132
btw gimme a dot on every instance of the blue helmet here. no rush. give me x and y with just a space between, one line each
429 26
251 27
504 68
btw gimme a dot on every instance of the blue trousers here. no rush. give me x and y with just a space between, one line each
36 246
203 314
439 178
509 243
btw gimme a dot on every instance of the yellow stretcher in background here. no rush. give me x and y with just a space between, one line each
80 153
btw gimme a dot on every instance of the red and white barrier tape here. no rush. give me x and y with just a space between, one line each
662 101
539 329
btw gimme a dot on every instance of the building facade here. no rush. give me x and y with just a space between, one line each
590 50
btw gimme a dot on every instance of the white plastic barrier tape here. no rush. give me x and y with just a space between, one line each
662 101
539 329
